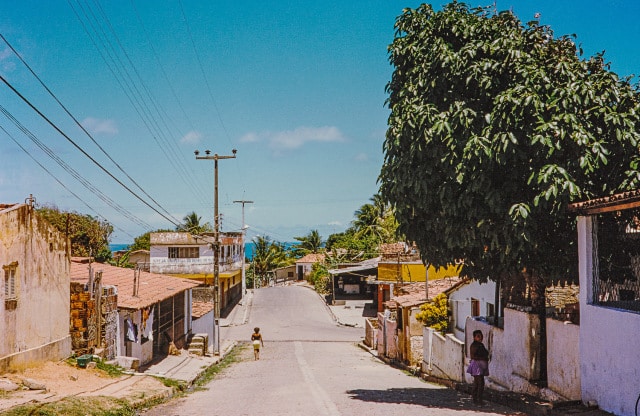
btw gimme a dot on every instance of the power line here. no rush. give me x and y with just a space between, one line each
58 180
126 82
81 126
23 98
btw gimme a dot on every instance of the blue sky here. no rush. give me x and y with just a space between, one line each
296 87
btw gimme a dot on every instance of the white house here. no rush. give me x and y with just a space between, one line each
609 308
470 298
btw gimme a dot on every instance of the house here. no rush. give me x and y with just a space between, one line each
609 267
284 274
401 333
141 258
305 264
153 309
35 288
185 255
351 281
400 263
470 298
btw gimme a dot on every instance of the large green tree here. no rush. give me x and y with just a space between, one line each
89 235
495 127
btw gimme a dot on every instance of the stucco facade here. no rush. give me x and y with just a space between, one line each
35 289
608 346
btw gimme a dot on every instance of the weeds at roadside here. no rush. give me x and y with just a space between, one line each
75 406
233 356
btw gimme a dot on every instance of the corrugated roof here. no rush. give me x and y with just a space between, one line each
413 294
363 265
153 287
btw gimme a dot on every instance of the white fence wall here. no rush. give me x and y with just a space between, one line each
563 358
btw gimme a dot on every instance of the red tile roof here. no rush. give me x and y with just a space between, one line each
200 308
311 258
413 294
153 287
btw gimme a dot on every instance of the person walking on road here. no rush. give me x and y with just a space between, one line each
256 338
478 366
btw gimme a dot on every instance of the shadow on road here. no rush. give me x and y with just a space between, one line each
428 397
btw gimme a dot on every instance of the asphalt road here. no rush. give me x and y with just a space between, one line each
311 366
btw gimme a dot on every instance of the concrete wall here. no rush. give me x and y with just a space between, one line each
563 358
387 337
609 366
35 325
204 325
460 303
443 355
514 351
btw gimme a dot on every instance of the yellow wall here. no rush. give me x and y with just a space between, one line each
412 272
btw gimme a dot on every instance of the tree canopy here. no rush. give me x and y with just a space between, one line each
89 235
191 223
310 243
495 127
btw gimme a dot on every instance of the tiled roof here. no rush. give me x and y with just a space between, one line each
200 308
311 258
617 202
153 287
393 248
413 294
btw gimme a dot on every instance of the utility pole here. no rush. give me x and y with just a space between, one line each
244 231
216 248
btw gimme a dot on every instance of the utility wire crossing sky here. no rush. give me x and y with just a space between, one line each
104 103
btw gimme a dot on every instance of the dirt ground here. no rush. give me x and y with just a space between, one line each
59 378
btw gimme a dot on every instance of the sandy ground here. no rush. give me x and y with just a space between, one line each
59 378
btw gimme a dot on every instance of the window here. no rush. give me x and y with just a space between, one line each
490 309
616 260
289 274
475 307
10 290
184 253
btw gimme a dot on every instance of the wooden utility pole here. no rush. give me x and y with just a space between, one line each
216 248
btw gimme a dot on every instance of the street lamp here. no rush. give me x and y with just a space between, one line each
216 248
244 231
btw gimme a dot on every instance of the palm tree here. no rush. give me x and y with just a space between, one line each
310 243
192 224
267 256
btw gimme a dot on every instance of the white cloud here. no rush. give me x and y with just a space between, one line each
192 137
4 54
361 157
250 138
293 139
100 126
335 223
281 141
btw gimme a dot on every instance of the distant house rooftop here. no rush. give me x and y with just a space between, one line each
414 294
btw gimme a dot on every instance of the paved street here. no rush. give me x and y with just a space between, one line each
312 366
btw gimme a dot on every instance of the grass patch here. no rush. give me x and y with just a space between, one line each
210 373
176 385
75 406
110 369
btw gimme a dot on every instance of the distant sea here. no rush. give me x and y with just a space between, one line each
118 247
248 248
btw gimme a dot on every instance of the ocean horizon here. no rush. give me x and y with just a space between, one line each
249 248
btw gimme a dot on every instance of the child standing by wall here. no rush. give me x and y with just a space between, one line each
478 366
